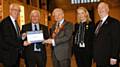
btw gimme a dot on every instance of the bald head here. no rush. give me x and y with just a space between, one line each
103 9
58 14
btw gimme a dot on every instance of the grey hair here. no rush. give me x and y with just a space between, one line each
33 11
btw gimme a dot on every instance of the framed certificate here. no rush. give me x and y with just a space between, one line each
35 36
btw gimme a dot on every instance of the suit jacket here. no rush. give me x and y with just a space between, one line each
106 44
28 27
9 41
63 41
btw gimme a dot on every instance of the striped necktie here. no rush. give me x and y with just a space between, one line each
98 27
57 28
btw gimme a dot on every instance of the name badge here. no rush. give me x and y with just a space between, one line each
82 44
35 48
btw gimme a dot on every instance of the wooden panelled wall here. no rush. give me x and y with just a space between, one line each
27 9
70 10
70 13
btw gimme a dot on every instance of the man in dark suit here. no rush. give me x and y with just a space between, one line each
34 57
1 51
61 40
107 40
10 37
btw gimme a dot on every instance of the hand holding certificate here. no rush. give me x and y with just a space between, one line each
26 43
35 36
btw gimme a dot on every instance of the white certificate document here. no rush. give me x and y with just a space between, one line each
35 36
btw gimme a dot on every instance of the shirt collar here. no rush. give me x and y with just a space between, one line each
35 24
61 21
13 20
103 19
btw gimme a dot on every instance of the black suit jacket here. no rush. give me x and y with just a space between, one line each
28 27
107 41
88 36
88 39
9 41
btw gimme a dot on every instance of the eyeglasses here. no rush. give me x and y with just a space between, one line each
17 10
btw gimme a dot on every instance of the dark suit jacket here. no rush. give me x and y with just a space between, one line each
9 42
28 27
63 41
88 37
107 41
88 40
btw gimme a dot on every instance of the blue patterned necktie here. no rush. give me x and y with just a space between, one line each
35 27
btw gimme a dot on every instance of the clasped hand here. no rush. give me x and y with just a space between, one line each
48 41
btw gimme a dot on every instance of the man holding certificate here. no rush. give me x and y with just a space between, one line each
33 34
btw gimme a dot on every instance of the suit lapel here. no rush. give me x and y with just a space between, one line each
104 25
30 27
105 22
40 27
12 26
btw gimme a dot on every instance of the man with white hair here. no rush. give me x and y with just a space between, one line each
61 40
35 53
10 37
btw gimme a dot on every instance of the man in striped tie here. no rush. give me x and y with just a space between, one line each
61 40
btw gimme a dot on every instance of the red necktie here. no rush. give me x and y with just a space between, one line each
56 30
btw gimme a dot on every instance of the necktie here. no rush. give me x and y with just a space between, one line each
56 30
35 27
37 45
17 28
58 24
98 27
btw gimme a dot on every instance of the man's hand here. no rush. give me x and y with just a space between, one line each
113 61
26 43
24 35
48 41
